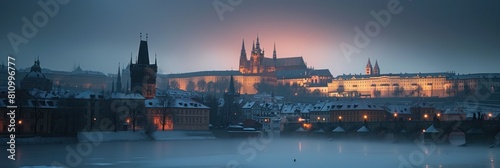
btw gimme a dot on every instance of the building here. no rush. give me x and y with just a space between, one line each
143 74
177 114
258 63
444 84
35 79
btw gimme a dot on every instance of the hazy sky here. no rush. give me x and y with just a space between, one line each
188 35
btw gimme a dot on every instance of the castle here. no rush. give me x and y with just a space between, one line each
258 64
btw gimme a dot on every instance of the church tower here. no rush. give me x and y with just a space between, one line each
243 58
369 68
376 69
119 81
143 74
256 59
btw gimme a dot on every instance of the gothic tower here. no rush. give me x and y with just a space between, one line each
369 68
119 81
376 69
243 58
143 74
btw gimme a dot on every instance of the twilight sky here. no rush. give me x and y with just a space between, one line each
188 35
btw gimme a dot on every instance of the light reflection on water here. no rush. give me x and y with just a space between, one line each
278 153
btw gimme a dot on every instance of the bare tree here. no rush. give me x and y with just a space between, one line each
166 115
202 84
174 84
190 86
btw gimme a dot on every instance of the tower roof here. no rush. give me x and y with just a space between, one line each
143 56
376 64
369 64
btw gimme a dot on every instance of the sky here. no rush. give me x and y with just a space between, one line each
189 35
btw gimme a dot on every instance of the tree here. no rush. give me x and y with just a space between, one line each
263 87
190 86
418 89
211 86
166 115
399 91
202 84
174 84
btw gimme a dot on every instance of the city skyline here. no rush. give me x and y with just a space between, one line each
423 37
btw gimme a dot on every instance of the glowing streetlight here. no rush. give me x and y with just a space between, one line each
95 118
365 117
128 121
425 116
395 115
439 114
20 121
340 118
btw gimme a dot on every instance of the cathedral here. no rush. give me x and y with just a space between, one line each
143 74
259 64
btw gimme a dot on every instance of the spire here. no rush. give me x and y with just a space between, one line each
274 52
119 80
143 56
258 43
243 55
369 68
253 46
156 61
376 69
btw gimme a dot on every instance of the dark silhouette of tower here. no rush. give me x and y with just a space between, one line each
119 81
143 74
231 112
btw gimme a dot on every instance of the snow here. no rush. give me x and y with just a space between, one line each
363 129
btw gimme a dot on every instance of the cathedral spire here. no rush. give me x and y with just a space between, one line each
119 80
243 54
258 43
130 58
253 46
274 52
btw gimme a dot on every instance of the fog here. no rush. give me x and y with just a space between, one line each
270 152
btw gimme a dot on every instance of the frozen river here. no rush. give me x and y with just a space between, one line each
277 152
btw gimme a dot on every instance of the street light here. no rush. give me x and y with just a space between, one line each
365 117
340 118
425 116
20 122
490 115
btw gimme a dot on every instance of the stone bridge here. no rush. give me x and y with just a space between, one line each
475 131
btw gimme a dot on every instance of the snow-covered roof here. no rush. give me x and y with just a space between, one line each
287 108
126 96
87 95
176 103
248 105
399 109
